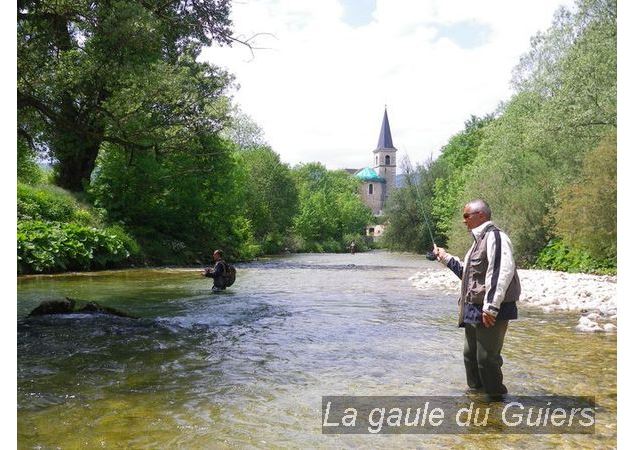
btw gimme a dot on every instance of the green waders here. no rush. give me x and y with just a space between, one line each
482 356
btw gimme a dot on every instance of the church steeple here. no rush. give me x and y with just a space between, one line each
385 156
385 137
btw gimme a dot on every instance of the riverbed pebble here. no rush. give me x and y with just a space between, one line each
593 296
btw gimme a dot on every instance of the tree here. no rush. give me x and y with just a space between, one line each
329 207
117 72
179 205
586 212
409 210
451 168
243 131
564 106
271 196
573 68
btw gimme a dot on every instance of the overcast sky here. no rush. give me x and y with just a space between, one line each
330 66
319 87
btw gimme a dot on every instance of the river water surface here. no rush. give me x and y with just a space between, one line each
247 368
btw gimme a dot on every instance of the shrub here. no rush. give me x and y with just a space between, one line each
45 247
50 203
586 213
28 170
273 243
558 256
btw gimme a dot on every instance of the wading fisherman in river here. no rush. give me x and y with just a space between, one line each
218 271
489 290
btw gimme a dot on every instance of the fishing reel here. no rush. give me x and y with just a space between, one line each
430 256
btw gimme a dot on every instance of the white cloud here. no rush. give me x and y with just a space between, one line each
319 89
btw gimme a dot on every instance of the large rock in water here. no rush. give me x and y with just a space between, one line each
69 306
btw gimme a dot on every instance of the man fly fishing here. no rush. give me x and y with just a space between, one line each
220 272
490 288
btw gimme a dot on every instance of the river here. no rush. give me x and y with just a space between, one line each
247 368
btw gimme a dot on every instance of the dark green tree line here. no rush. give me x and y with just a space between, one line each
330 210
271 197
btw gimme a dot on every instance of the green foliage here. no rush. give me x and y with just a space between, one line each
329 209
573 67
49 203
122 72
180 205
586 211
558 256
515 176
452 169
45 247
407 230
242 240
28 169
313 221
56 232
409 214
271 197
532 163
243 131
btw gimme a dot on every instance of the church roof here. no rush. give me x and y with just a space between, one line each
385 137
368 174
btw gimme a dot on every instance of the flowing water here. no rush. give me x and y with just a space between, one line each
247 368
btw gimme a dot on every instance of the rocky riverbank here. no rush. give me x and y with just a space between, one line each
593 296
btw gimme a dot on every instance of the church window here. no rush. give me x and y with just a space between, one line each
376 160
370 189
387 160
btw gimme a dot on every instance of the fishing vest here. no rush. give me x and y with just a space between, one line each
473 282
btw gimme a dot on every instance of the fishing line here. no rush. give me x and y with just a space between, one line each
429 255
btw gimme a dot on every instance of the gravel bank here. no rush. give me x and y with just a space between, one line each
593 296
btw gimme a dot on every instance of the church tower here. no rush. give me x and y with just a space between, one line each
380 181
385 156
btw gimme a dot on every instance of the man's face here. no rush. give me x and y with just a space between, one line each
216 256
472 219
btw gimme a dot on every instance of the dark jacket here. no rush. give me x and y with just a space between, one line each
217 273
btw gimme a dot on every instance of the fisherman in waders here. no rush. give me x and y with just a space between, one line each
353 247
217 272
489 290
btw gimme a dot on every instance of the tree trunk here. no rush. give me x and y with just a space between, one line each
75 165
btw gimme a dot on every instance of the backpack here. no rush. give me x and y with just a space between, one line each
229 275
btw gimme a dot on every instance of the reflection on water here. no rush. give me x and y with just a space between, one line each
248 367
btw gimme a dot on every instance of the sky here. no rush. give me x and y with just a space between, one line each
322 72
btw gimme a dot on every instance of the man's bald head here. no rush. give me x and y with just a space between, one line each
481 206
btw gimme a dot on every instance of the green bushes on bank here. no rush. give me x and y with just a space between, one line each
557 256
56 233
50 203
45 247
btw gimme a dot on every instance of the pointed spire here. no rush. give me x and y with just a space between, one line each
385 138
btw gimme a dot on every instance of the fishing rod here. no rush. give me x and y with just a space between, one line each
430 256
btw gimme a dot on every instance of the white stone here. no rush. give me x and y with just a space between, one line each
549 291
